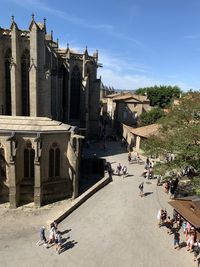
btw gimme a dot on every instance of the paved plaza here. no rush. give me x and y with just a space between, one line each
114 228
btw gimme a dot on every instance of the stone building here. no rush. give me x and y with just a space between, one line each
39 79
39 160
129 107
126 107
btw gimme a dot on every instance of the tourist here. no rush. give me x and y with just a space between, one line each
129 157
169 225
191 239
196 249
42 239
138 157
119 168
58 241
51 236
166 187
147 161
176 239
141 187
172 189
159 217
163 216
124 171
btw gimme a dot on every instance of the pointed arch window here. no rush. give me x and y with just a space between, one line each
29 155
54 161
25 64
75 93
2 165
7 61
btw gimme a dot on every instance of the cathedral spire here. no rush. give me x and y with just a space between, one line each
45 29
33 17
13 23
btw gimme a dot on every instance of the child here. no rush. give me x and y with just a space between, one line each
124 171
119 168
141 187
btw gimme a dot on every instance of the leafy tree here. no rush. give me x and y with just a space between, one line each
160 96
180 134
151 116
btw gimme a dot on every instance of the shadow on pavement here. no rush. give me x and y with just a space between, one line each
147 193
67 245
183 244
65 231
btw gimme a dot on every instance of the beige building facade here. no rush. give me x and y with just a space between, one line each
39 79
126 107
39 160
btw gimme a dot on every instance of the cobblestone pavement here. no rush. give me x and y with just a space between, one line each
114 228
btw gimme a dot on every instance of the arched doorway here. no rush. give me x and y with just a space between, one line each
75 93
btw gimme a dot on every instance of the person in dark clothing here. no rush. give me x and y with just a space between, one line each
141 187
176 184
42 239
176 239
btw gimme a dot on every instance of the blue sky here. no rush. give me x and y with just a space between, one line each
140 42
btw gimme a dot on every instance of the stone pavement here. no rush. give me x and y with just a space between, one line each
114 228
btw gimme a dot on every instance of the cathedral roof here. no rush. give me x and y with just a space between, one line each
31 124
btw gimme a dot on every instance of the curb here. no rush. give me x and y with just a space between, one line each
82 198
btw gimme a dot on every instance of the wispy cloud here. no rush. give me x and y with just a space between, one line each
128 73
39 5
123 81
120 63
124 72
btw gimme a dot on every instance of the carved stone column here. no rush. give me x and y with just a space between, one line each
38 183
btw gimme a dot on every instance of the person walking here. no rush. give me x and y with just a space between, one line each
119 168
129 157
141 187
42 239
196 249
176 239
124 171
52 233
58 241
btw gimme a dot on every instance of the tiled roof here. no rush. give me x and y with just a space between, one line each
127 96
146 131
189 208
112 95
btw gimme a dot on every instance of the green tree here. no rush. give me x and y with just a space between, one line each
180 134
151 116
160 96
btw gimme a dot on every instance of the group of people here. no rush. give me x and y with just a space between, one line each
55 237
170 186
174 225
133 158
